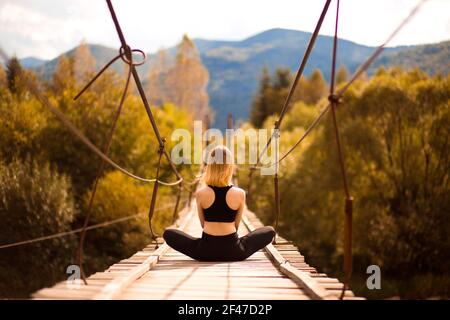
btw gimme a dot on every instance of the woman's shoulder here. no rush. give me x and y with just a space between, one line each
203 190
238 190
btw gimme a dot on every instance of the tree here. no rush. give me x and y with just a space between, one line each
187 80
260 105
317 88
271 95
342 75
13 70
406 141
283 78
311 89
157 78
3 82
64 75
92 113
83 63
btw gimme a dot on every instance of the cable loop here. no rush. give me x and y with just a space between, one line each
126 54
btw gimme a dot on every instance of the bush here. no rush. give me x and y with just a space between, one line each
34 201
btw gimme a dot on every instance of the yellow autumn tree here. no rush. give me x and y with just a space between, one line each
182 81
64 76
84 63
2 77
157 89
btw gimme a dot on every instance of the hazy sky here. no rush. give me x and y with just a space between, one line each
45 28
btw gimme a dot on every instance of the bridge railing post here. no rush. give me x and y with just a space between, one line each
177 203
276 137
348 229
155 193
249 185
277 204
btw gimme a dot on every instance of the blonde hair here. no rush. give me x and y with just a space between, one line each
219 167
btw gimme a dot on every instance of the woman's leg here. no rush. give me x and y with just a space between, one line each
256 240
182 242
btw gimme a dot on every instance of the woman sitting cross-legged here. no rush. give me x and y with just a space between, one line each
220 206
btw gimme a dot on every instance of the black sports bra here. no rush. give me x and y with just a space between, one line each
219 211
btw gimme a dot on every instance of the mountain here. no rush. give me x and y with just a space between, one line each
32 62
29 62
235 66
102 55
431 58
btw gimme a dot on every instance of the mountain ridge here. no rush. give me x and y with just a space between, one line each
235 65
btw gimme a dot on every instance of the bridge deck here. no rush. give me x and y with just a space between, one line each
277 272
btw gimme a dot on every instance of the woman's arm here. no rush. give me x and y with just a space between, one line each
201 216
238 219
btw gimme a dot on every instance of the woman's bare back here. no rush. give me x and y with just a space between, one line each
235 199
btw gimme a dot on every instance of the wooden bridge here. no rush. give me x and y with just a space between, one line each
277 272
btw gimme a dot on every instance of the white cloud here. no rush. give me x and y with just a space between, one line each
45 28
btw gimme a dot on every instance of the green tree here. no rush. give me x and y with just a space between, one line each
13 69
283 78
35 201
271 95
260 105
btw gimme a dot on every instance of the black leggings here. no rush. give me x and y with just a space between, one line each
219 248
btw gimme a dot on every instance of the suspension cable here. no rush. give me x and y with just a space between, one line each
154 194
106 149
334 101
338 95
298 75
141 91
67 233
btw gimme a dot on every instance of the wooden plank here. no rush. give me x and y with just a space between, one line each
114 288
308 284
